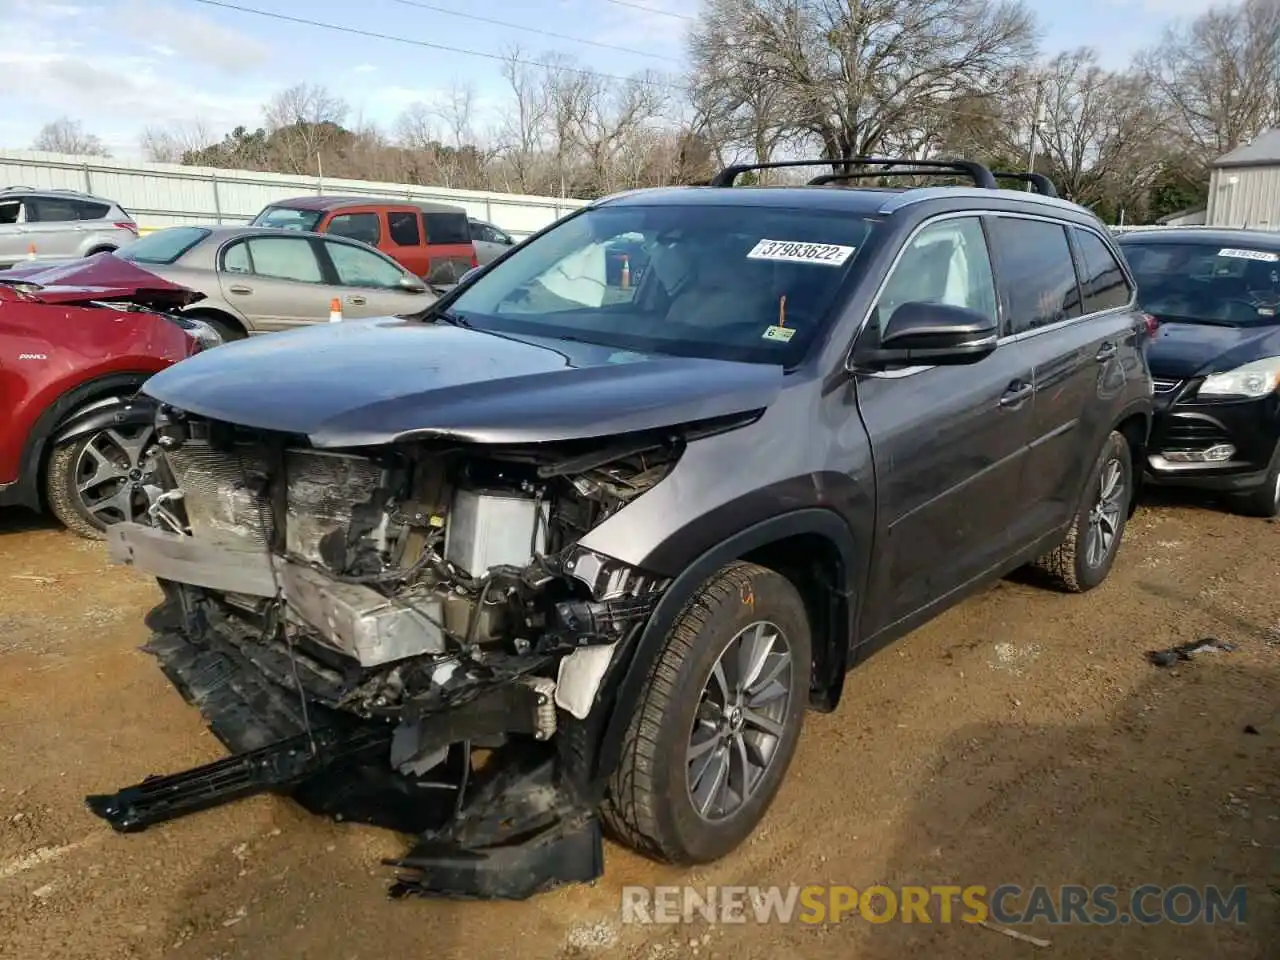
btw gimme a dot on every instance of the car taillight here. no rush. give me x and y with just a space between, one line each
475 260
1152 323
127 225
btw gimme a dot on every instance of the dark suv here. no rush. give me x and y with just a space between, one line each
619 537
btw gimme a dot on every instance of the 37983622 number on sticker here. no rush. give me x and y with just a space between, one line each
797 251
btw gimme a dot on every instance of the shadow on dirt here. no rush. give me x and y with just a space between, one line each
1180 786
19 520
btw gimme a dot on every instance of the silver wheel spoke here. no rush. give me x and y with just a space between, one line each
740 720
104 470
131 447
711 783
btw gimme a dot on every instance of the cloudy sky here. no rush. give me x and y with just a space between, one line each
119 65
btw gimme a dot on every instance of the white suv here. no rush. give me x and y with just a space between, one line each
50 224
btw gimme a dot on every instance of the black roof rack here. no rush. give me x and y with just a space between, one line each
1039 182
981 176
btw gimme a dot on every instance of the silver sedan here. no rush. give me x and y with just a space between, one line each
260 279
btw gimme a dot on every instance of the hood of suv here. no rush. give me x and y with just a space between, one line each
100 277
366 382
1181 350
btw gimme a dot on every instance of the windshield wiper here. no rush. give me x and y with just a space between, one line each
453 319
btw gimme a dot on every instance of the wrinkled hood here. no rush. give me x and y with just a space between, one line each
367 382
1182 350
100 277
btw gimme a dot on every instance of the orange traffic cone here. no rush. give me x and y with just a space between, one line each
31 251
626 272
335 310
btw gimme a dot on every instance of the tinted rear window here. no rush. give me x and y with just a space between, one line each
163 246
287 218
447 227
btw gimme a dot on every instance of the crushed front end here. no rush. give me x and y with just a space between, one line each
404 635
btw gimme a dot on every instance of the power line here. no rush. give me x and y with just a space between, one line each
357 32
545 33
661 13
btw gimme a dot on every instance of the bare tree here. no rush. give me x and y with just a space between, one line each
1219 76
305 121
525 127
65 135
853 74
170 143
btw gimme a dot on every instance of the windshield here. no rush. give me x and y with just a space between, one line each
724 282
163 246
287 218
1206 282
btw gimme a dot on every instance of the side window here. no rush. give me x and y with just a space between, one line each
48 210
946 262
88 210
235 259
403 227
362 268
10 211
285 258
1037 274
1101 278
356 226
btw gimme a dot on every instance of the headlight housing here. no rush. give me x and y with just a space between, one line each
199 331
1253 380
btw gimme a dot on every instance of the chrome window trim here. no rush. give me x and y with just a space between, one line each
1011 338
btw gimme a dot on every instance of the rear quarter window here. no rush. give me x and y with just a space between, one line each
444 228
89 210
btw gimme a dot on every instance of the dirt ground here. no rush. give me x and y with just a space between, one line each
1022 738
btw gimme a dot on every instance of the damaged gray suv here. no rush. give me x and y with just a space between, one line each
574 550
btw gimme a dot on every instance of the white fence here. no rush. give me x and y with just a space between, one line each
165 194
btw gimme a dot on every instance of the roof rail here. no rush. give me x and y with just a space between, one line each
16 186
1039 182
980 175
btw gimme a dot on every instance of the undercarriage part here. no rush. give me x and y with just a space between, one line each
192 560
523 830
279 766
366 625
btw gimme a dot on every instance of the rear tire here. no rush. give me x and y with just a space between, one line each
701 762
1265 500
1085 557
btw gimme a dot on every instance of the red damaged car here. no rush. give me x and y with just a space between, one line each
77 340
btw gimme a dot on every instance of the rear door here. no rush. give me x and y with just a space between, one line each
276 282
489 241
369 285
949 443
1073 327
53 225
406 240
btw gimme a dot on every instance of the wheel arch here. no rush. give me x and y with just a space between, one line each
202 312
35 452
1135 426
814 548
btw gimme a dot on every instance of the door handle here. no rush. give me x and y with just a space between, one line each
1106 351
358 301
1018 391
240 288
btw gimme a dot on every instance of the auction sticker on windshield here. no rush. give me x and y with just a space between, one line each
794 251
1249 254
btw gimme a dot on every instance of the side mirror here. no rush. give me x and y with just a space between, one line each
412 285
935 334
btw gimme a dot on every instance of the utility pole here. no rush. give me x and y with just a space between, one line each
1037 119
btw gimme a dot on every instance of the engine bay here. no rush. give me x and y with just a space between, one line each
401 582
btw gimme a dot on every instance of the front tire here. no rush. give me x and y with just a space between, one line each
1085 558
96 481
1265 500
718 720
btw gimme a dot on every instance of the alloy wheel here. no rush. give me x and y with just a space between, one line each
1105 515
740 721
112 472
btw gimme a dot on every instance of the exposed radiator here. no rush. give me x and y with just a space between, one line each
226 501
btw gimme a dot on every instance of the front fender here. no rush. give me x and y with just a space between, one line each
109 412
646 650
